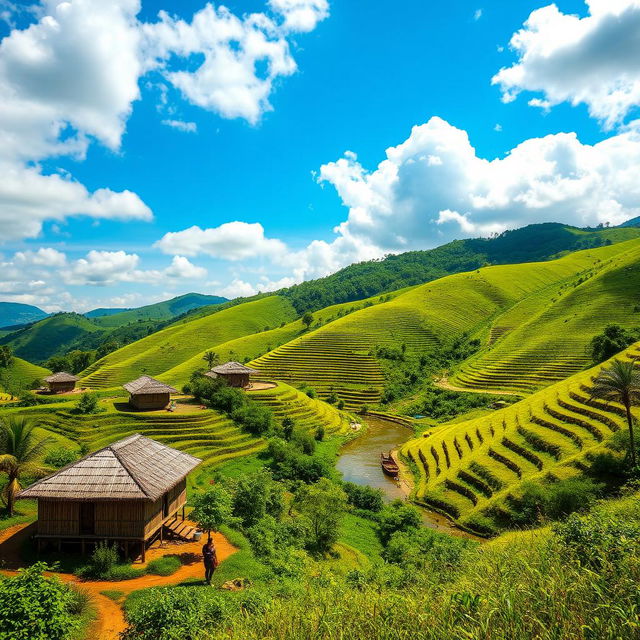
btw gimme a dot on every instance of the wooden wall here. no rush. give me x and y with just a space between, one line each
236 379
113 518
150 401
61 387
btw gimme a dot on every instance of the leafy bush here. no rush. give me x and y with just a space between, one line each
168 613
88 403
33 607
60 457
164 566
612 340
289 463
398 516
255 418
254 496
102 561
364 497
212 508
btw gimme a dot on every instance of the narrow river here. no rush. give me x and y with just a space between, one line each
359 462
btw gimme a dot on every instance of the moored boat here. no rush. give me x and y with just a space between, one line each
389 465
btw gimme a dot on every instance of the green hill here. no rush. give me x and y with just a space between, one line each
545 338
14 313
179 342
470 469
40 341
159 311
20 374
529 244
338 356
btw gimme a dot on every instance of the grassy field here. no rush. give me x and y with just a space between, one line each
471 468
545 338
337 357
181 341
20 374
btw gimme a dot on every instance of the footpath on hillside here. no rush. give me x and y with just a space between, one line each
110 621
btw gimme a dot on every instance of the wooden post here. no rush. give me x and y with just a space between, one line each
182 513
144 554
161 532
59 545
83 546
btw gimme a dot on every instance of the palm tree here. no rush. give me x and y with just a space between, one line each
211 358
620 382
20 453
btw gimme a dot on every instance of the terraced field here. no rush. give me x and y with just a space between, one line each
203 433
471 468
337 357
545 338
20 374
179 342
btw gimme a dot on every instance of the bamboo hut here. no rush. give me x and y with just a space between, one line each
129 492
61 382
236 374
148 393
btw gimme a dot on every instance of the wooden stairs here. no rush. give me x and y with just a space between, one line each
179 529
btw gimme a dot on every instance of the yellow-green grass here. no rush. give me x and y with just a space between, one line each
545 338
165 349
337 357
471 468
20 374
252 346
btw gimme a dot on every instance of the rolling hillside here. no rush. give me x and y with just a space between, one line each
14 313
20 374
545 338
159 311
469 469
179 342
336 357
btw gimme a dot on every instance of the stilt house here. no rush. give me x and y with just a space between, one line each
129 492
236 374
148 393
61 382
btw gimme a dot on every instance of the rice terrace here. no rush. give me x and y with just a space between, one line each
319 321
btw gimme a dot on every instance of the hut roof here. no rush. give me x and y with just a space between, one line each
136 468
61 376
232 367
147 385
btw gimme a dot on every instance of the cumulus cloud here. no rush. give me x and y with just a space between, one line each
181 268
593 60
72 77
229 241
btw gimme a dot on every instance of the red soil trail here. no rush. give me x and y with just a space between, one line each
110 618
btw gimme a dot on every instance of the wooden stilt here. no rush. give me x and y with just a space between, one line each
82 543
59 545
144 554
182 513
161 538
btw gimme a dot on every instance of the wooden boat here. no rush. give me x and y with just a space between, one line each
389 465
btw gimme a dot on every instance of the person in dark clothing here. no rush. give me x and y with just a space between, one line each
210 560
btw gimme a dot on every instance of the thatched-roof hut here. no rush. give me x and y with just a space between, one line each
236 374
61 382
126 492
148 393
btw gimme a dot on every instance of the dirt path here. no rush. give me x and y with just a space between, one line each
444 383
110 618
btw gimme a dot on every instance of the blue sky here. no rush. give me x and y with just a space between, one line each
187 151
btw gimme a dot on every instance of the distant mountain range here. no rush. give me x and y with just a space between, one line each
12 313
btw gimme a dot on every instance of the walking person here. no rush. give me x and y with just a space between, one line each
210 559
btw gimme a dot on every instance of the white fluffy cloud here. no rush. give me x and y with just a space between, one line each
434 187
593 60
72 76
181 125
181 268
229 241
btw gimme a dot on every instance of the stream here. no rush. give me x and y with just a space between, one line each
359 462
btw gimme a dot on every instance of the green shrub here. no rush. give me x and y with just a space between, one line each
170 613
33 607
60 457
88 403
123 572
364 497
164 566
398 516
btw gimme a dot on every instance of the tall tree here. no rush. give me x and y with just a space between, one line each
211 358
212 509
307 319
620 382
20 455
6 356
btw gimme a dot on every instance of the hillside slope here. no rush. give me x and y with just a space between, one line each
337 357
20 374
470 469
179 342
14 313
159 311
545 338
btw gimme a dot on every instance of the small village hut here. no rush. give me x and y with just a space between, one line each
148 393
236 374
127 492
61 382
